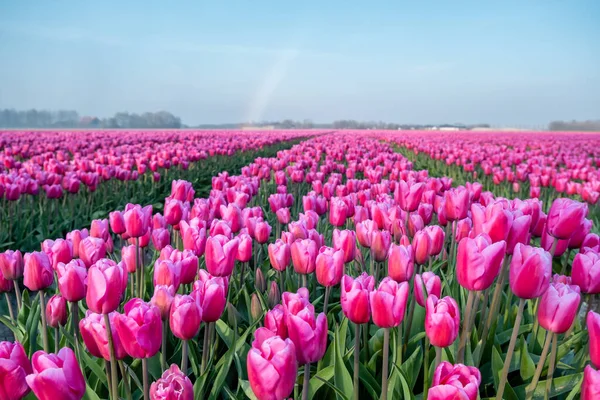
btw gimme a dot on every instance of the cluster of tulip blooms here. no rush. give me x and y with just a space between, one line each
539 159
441 276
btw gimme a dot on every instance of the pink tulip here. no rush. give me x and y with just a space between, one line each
211 293
307 331
185 317
11 264
401 264
279 255
272 366
220 255
72 280
421 247
91 249
442 320
107 282
558 307
530 271
140 329
14 367
408 196
56 376
454 382
437 236
275 321
304 256
93 332
478 262
117 223
388 303
586 272
160 238
38 273
129 258
457 202
233 215
329 266
354 297
593 327
56 311
519 233
433 286
167 273
163 298
380 245
244 253
565 217
194 237
590 388
172 385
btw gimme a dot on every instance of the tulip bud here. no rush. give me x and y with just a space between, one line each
558 307
11 264
433 285
185 317
478 262
355 297
38 273
586 272
401 263
255 307
259 281
72 280
388 303
162 298
530 271
274 295
421 247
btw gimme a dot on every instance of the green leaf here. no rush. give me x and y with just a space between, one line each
561 385
90 394
220 379
504 337
342 378
245 385
527 366
412 366
406 390
369 382
337 391
319 379
497 366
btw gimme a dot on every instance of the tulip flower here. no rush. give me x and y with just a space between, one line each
140 328
304 256
593 327
185 317
233 215
565 217
380 245
590 388
457 202
167 273
117 223
56 311
530 271
160 238
275 321
337 212
421 246
220 255
478 262
137 220
442 320
163 298
38 274
586 272
272 366
519 233
93 332
91 249
194 237
329 269
388 303
355 297
401 263
274 295
211 294
56 376
456 381
408 196
558 307
244 253
173 385
107 281
307 331
433 285
437 236
14 367
11 264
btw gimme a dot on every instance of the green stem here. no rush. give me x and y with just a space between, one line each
108 378
306 380
163 353
10 309
511 349
426 369
566 263
385 366
44 324
438 356
56 340
327 293
184 356
551 365
204 348
18 294
540 366
460 353
145 376
125 380
356 358
484 305
113 358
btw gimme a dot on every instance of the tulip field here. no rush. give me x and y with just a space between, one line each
180 265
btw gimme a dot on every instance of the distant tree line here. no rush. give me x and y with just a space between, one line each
575 125
10 118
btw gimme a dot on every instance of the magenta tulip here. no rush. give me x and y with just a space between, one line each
388 303
401 265
593 327
478 262
14 367
304 256
565 217
530 271
355 297
107 282
172 385
457 381
279 255
586 272
56 376
38 274
329 266
185 317
433 285
442 320
93 332
220 255
140 329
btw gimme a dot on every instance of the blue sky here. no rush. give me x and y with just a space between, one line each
507 62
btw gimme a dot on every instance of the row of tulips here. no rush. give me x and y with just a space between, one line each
147 181
409 260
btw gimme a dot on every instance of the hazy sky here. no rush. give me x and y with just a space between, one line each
504 62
